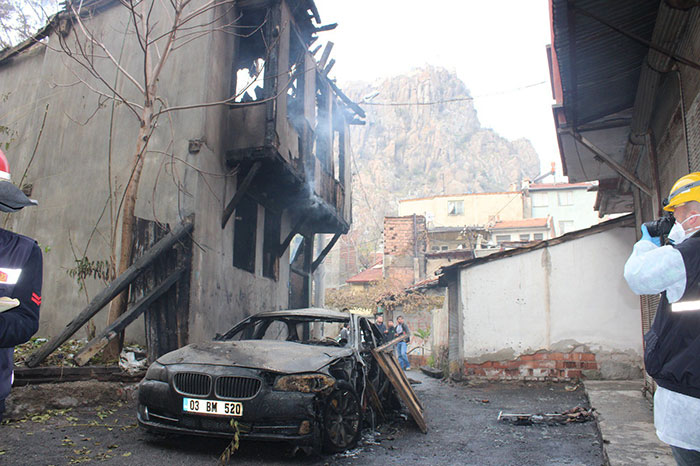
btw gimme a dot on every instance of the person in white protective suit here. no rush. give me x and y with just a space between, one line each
672 345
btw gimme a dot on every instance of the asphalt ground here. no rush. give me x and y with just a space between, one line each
96 423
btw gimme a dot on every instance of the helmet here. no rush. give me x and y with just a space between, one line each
12 198
4 167
687 188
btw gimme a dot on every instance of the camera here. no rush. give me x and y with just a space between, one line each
661 226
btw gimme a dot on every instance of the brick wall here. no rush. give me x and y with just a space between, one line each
399 236
543 365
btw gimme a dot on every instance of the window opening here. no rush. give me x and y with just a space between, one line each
525 237
538 236
271 244
455 207
245 226
502 238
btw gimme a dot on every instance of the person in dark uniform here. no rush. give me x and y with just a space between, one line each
20 283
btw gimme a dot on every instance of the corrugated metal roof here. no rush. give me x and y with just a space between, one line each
600 68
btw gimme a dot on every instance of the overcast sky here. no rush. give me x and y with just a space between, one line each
496 47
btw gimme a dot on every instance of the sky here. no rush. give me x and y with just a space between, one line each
496 47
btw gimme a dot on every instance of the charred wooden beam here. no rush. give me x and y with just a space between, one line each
325 252
240 191
328 67
295 229
355 108
326 55
54 374
111 291
327 27
99 342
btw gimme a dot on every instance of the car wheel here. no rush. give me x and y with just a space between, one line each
342 418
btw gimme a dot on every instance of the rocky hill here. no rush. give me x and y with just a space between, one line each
419 150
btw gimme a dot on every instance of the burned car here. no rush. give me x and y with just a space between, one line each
281 375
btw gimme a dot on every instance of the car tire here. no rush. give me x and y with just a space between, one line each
342 418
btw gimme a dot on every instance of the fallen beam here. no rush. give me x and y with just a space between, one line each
98 343
57 374
111 291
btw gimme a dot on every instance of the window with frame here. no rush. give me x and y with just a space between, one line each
244 233
538 236
540 199
566 226
525 237
565 197
502 238
455 207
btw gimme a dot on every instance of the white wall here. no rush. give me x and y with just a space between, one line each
556 298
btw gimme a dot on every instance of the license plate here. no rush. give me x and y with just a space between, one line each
213 407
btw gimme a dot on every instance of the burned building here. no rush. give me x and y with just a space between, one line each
250 145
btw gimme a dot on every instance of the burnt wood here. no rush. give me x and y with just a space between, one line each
240 191
325 252
111 291
99 342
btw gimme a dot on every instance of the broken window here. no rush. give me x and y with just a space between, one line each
455 207
248 82
271 244
245 227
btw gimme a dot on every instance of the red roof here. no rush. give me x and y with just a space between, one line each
372 274
525 223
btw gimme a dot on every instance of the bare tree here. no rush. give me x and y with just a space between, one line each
160 28
19 19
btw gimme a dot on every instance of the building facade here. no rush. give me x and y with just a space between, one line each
263 172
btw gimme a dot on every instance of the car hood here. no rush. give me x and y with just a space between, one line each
275 356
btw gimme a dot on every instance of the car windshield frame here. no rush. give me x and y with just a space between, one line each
256 327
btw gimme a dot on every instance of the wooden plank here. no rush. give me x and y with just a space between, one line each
99 342
325 252
111 291
240 191
390 366
613 164
326 54
355 108
388 346
295 229
57 374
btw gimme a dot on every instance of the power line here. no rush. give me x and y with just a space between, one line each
455 99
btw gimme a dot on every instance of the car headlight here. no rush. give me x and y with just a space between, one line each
305 383
157 371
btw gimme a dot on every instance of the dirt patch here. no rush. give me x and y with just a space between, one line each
30 400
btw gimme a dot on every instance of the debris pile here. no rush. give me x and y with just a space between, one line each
577 414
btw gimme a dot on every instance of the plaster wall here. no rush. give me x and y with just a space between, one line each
87 142
478 208
559 298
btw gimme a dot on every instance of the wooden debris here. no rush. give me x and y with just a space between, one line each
577 414
111 291
99 342
390 366
56 374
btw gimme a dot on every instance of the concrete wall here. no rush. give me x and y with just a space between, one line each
478 208
71 171
559 302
